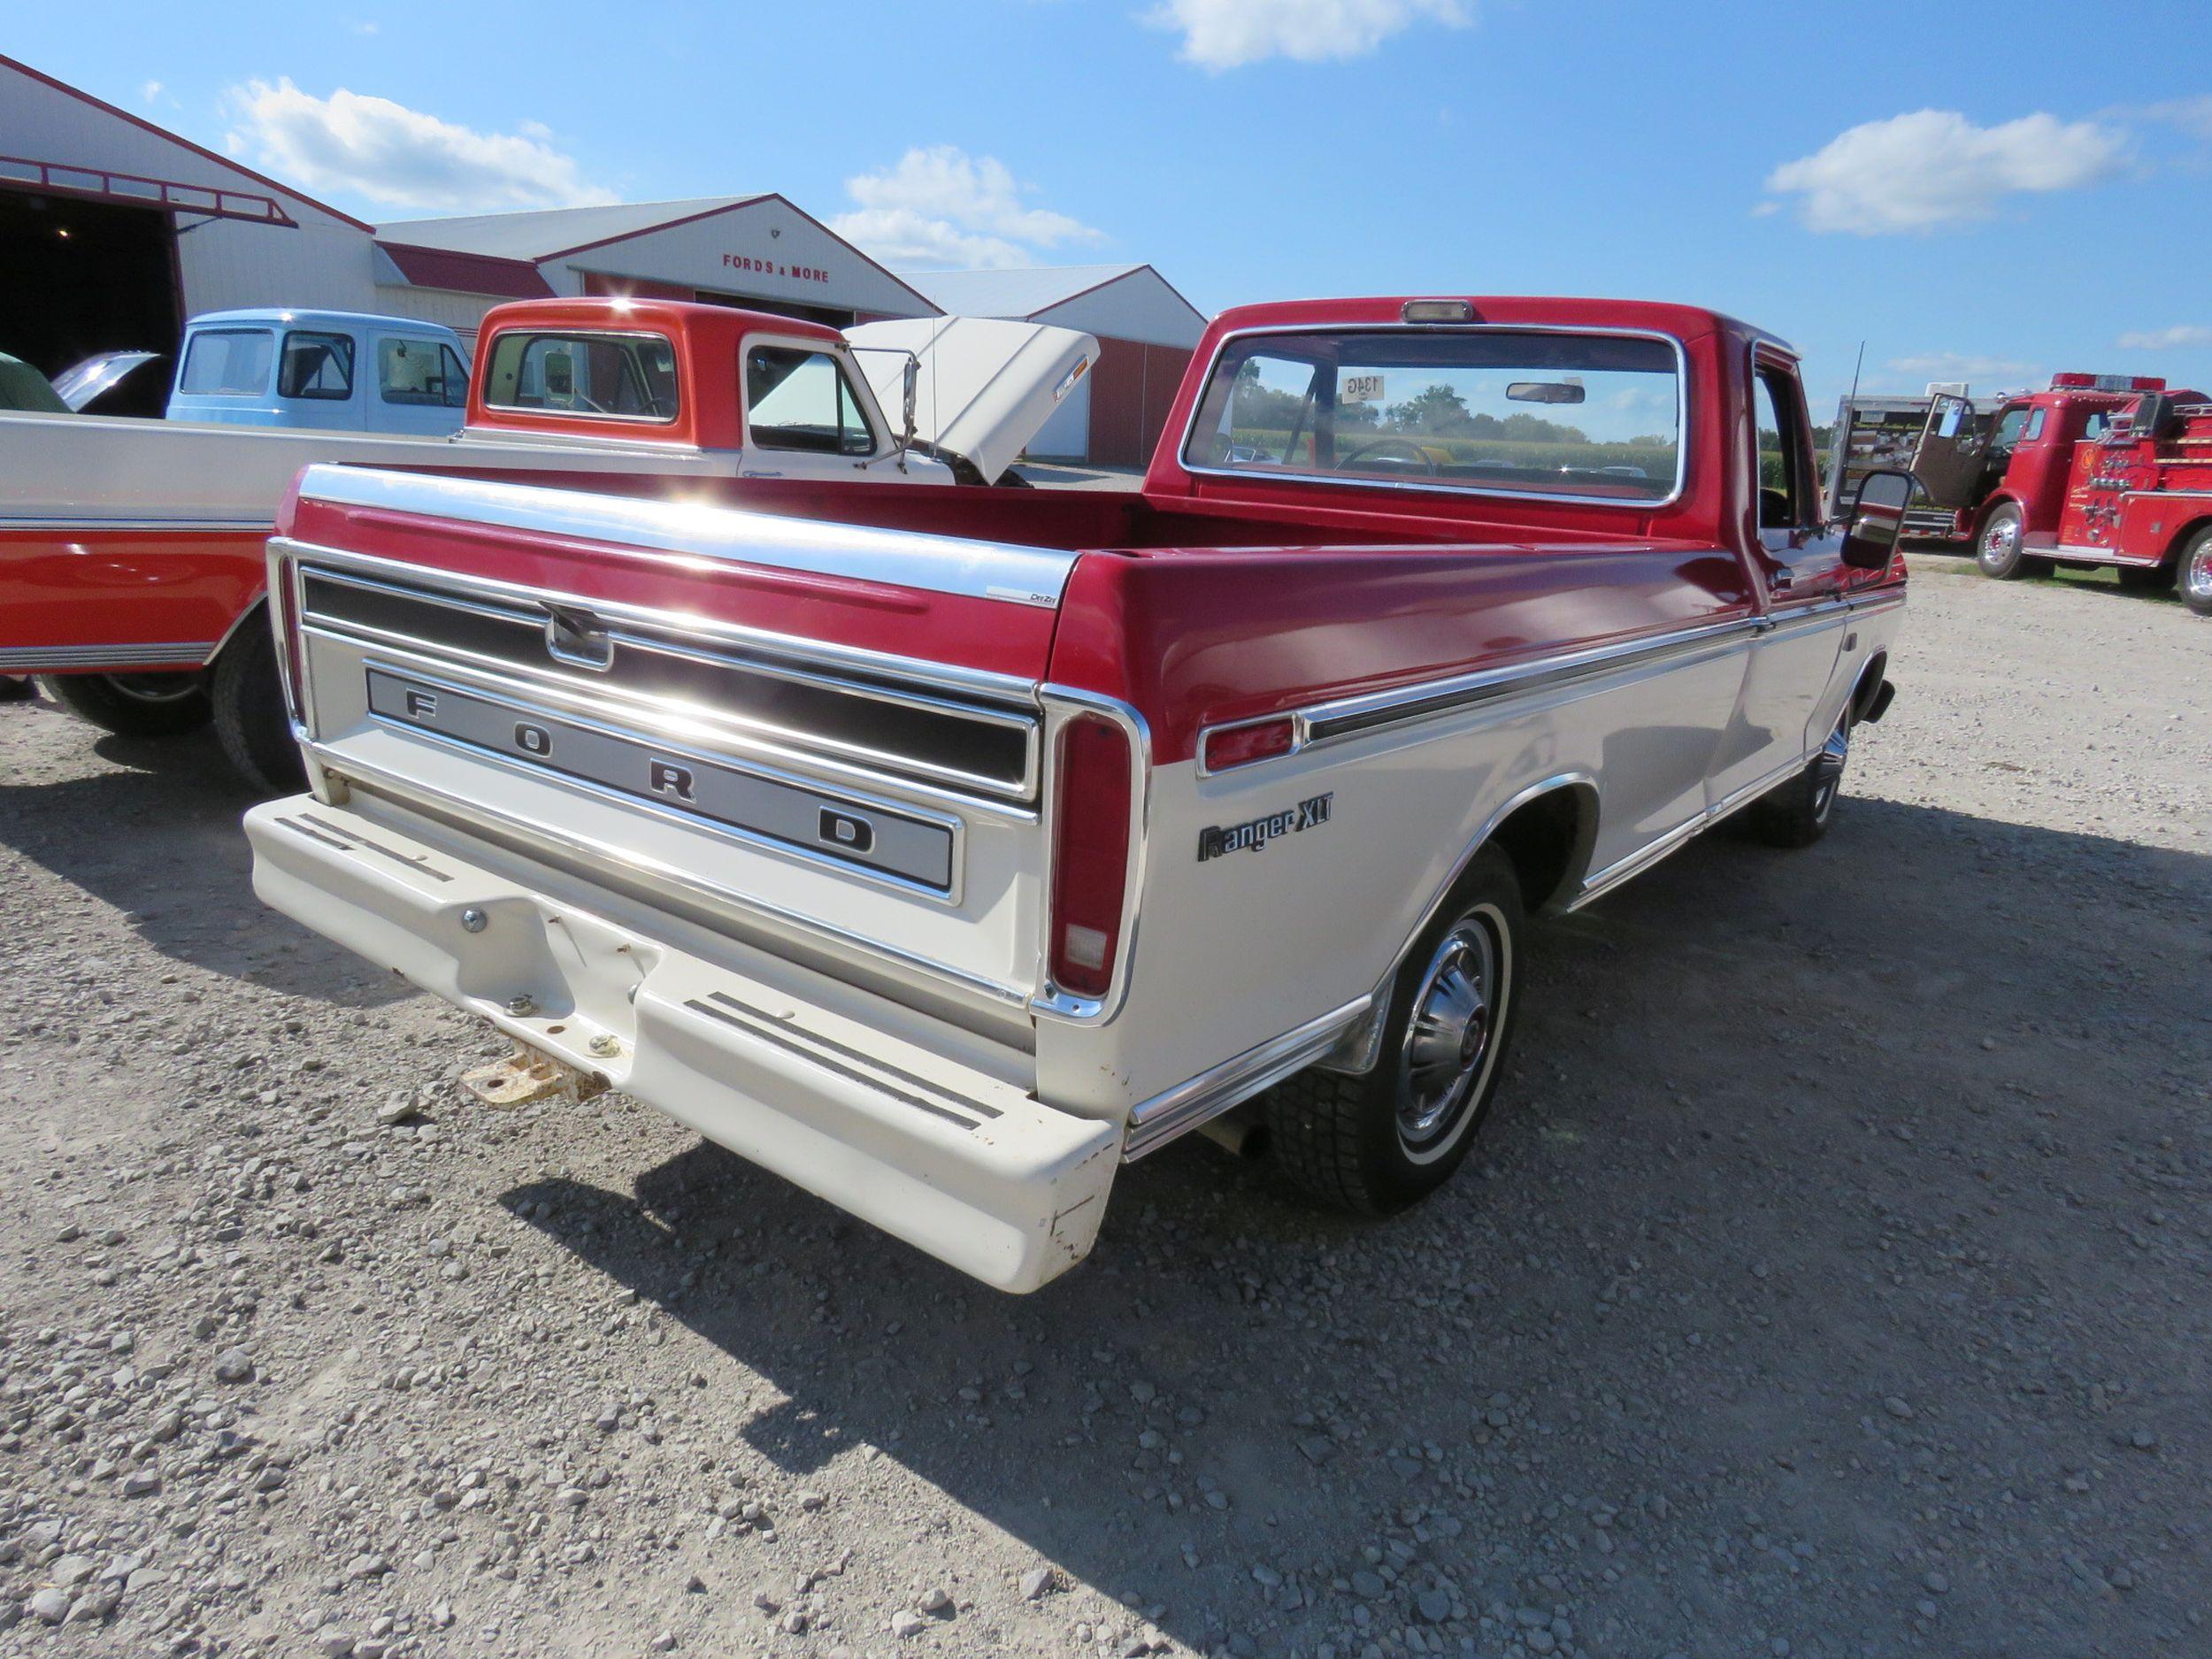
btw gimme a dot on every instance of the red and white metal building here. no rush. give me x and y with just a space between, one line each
760 251
113 230
1146 334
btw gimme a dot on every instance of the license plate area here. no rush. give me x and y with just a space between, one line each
897 844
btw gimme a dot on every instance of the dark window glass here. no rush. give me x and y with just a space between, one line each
317 365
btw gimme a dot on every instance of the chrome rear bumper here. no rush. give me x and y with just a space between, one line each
957 1163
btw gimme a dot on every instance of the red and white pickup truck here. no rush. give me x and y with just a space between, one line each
944 850
132 552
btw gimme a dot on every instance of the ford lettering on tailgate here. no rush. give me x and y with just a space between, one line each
862 834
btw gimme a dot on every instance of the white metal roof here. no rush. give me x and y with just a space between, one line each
544 232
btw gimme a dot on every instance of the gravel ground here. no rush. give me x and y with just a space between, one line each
1833 1279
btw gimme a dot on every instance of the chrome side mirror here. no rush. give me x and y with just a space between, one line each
1878 515
909 384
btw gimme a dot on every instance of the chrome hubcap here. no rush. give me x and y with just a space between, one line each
1998 540
1828 768
2200 573
1447 1039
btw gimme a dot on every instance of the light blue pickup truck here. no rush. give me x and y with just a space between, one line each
343 371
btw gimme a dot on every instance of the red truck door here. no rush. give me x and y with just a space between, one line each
1799 564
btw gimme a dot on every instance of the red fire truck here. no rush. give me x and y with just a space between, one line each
2101 469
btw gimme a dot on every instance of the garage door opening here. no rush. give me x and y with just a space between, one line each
79 277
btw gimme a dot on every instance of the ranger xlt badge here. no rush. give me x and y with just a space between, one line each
1220 839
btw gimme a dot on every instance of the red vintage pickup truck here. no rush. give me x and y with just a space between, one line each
944 850
132 551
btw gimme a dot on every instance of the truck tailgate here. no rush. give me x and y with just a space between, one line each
699 703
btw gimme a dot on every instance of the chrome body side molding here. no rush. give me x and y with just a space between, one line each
902 558
1154 1122
38 659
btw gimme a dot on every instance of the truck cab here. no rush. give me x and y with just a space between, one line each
330 371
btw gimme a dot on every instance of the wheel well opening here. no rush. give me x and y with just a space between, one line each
1549 839
2187 534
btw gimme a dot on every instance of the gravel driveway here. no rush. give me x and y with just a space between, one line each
1832 1281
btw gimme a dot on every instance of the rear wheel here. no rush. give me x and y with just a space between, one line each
250 714
134 705
1378 1142
2193 573
1998 548
1798 813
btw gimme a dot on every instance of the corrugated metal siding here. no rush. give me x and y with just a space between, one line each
1137 306
226 265
1131 390
460 312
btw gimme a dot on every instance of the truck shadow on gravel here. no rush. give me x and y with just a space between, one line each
154 834
1810 1187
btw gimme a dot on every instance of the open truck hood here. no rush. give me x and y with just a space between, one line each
986 385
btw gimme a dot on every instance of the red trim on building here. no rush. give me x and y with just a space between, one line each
467 273
201 151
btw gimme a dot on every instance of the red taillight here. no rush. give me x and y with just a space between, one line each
1229 746
1090 858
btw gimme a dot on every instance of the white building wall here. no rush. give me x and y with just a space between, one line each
461 312
1067 434
766 248
226 264
1139 306
223 263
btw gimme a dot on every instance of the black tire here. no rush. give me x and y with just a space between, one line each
2144 578
2193 573
1997 548
1376 1143
133 706
250 719
1798 813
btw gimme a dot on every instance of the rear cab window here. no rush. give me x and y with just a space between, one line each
1500 410
227 362
420 374
609 375
315 366
800 399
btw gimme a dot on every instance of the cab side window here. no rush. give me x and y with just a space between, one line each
2010 425
317 365
797 399
1786 485
420 372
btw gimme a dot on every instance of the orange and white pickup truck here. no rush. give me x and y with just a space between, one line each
944 850
131 551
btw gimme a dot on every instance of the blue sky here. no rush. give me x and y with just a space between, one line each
1991 191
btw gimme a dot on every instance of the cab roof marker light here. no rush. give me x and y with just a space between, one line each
1436 312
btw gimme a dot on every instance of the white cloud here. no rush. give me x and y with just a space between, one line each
942 206
1934 168
2192 115
400 158
1952 365
2168 339
1220 35
151 92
